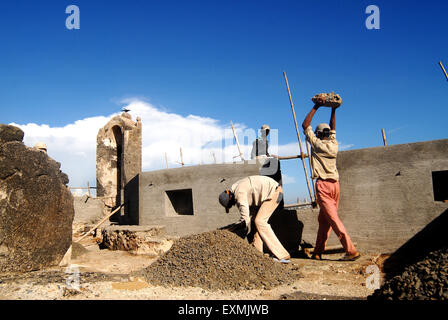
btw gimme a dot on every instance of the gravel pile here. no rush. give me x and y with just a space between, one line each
425 280
218 260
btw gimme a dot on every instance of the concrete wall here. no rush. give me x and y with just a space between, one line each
386 194
87 210
204 183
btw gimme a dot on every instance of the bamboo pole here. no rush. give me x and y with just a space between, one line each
444 71
298 136
100 223
88 188
384 137
166 160
237 143
291 157
299 204
312 170
181 158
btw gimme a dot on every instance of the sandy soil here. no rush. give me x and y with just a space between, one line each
105 274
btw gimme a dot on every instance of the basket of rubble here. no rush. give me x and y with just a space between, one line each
328 99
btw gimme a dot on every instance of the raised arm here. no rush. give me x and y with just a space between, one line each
307 122
333 119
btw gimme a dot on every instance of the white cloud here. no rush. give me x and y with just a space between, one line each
74 145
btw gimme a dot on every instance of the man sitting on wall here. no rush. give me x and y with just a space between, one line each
260 145
261 195
324 149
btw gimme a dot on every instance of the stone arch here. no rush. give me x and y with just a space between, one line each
118 157
117 162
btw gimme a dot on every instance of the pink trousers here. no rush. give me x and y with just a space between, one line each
328 200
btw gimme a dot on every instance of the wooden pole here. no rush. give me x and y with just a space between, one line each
444 71
181 158
88 189
312 170
298 204
100 223
236 139
384 137
298 136
291 157
166 160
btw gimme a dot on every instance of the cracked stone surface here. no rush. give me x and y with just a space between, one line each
36 207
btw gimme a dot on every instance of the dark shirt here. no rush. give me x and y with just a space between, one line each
259 148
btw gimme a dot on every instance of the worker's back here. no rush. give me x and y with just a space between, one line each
254 190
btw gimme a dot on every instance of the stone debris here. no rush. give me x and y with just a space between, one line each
148 240
424 280
328 99
218 260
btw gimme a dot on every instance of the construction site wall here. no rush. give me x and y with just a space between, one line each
388 194
184 200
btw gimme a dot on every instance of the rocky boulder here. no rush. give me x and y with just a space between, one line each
36 207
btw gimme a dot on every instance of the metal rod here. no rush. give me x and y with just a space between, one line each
444 71
298 136
237 143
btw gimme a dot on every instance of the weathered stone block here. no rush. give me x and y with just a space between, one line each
36 207
136 239
10 133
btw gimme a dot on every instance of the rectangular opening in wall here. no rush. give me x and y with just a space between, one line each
440 185
179 202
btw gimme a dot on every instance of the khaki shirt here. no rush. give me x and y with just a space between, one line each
252 192
323 155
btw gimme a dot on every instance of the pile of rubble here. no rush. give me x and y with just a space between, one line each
218 260
148 240
424 280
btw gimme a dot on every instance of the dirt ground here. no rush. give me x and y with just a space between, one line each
105 274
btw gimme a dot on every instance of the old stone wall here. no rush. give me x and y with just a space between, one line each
118 157
36 206
387 194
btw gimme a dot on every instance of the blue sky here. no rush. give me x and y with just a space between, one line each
224 60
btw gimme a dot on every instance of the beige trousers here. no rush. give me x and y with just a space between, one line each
264 231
